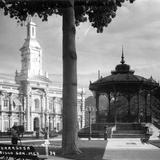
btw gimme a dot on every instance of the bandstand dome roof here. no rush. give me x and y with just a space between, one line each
123 80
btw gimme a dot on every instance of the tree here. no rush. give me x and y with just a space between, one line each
98 12
69 83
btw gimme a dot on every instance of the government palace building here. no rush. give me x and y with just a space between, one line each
32 99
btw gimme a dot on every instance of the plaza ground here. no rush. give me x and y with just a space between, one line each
115 149
98 149
91 150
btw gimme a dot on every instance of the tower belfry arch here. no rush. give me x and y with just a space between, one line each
31 30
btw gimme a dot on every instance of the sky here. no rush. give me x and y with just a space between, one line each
136 27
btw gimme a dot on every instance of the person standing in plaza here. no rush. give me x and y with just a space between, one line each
105 132
15 135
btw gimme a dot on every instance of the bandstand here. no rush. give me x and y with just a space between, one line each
124 83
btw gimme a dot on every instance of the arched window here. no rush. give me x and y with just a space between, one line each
37 104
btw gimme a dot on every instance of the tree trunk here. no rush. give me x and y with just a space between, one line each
70 125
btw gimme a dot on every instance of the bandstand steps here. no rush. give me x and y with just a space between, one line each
128 130
123 130
129 126
127 135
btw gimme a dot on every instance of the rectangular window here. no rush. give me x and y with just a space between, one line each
6 102
37 104
58 127
51 106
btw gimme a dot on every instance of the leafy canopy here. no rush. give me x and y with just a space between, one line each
98 12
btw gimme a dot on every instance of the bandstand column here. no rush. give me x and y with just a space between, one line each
109 103
138 118
115 106
115 116
129 106
97 107
150 106
145 107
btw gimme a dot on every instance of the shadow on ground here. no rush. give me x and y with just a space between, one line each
91 150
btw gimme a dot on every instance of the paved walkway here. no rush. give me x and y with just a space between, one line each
57 158
130 149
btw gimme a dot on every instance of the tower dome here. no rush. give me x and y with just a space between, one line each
122 68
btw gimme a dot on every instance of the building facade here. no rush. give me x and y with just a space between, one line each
32 99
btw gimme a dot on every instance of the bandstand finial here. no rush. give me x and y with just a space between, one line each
122 57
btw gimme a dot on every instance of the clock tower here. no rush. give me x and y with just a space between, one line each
31 54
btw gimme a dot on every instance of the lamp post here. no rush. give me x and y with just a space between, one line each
89 109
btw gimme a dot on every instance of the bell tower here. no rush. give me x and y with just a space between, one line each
31 54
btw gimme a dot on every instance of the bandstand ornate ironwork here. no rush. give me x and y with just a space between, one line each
123 82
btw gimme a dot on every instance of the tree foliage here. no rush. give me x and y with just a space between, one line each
98 12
